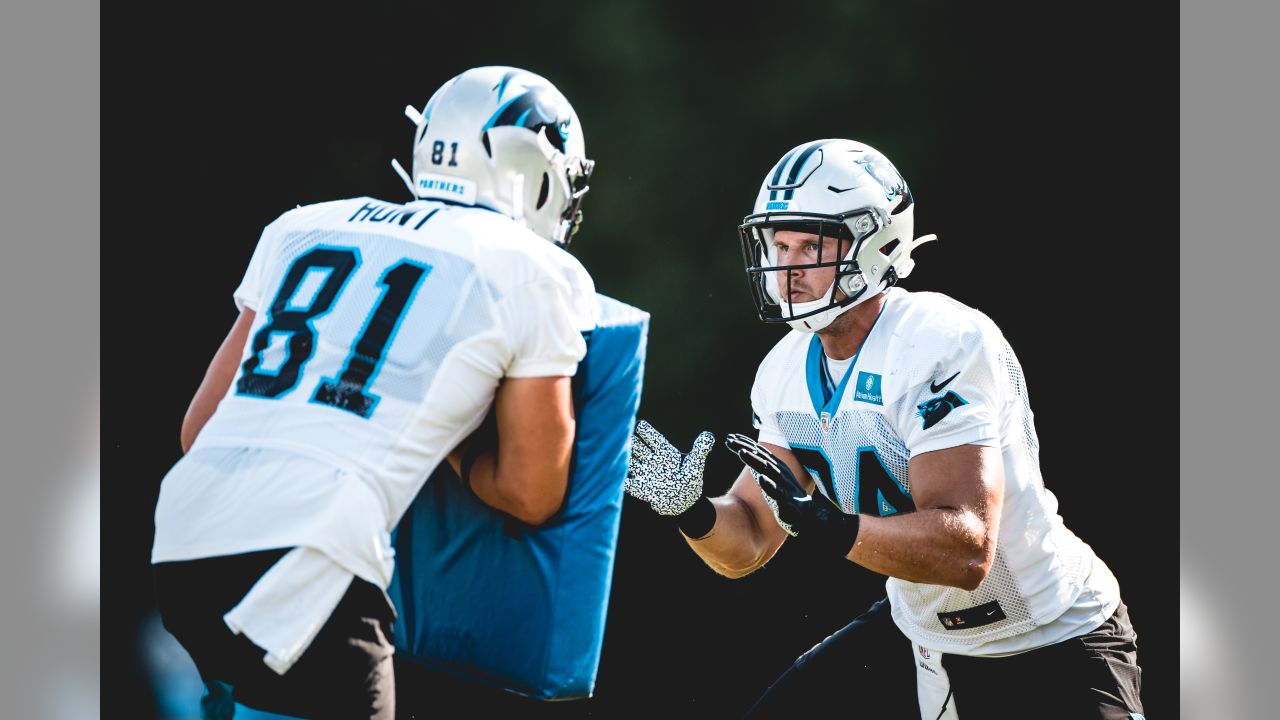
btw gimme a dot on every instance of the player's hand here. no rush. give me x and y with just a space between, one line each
659 474
797 512
784 494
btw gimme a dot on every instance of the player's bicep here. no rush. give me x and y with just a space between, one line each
535 419
536 430
967 477
217 379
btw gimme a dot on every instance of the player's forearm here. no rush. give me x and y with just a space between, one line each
736 545
214 386
939 546
527 474
217 380
530 492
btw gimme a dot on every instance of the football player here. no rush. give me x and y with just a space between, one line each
895 431
373 338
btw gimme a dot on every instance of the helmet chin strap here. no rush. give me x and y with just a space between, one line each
395 164
905 268
418 120
414 116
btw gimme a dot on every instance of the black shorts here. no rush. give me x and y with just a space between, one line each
866 669
346 672
1095 675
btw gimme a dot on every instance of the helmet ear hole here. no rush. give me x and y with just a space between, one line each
553 136
890 247
544 191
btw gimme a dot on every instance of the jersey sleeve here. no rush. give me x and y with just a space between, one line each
252 289
959 402
544 320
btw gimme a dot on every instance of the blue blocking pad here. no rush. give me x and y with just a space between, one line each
487 598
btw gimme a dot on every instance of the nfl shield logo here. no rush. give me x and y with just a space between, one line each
924 651
825 421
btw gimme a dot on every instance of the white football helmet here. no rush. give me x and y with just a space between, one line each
831 188
505 139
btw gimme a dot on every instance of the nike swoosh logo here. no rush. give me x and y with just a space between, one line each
837 190
939 386
993 612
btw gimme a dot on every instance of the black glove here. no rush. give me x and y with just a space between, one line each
814 521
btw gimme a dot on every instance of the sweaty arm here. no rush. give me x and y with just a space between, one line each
528 474
217 379
951 537
746 534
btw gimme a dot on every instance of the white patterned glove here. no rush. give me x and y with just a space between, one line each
659 474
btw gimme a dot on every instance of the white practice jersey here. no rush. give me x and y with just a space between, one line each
380 336
935 374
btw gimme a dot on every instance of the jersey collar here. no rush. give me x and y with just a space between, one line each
824 392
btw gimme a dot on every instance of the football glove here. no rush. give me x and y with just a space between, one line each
671 481
798 513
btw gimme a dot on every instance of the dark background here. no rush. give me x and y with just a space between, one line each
1039 144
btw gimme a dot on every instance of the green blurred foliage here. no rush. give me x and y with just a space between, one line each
685 107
